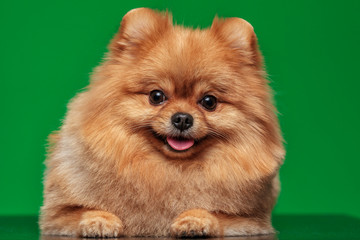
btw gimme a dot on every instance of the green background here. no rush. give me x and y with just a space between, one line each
311 48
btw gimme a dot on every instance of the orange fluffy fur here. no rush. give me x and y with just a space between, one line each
109 175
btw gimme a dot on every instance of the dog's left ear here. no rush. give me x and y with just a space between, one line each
239 35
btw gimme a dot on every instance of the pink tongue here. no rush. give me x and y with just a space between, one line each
180 145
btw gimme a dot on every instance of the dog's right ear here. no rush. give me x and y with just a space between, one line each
140 27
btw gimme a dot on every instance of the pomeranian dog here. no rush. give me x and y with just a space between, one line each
176 135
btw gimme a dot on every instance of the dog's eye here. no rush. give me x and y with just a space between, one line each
157 97
209 102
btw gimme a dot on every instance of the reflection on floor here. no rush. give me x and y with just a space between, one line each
147 238
312 227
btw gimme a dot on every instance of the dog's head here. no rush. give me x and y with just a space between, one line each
183 90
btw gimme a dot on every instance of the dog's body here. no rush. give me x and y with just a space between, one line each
176 135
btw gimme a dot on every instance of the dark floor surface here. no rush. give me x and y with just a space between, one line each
292 227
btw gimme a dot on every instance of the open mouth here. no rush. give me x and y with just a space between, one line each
176 143
179 143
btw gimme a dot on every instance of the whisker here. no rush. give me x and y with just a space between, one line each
217 134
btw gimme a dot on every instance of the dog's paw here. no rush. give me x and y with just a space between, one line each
195 223
100 224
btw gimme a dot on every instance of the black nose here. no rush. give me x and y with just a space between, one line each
182 121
